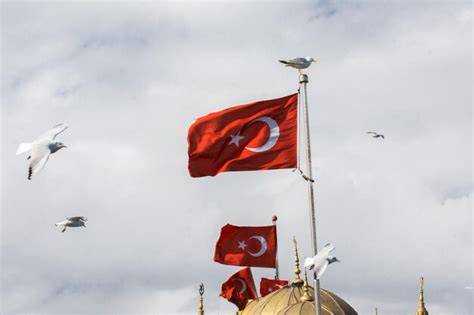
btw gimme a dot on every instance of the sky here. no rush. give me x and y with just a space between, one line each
129 78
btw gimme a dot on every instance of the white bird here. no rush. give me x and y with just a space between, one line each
40 149
72 222
321 261
299 63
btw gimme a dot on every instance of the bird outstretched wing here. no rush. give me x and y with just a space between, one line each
38 158
78 218
371 132
319 269
327 249
53 132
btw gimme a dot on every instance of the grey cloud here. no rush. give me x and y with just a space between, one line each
130 78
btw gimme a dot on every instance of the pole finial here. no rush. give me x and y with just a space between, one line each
201 299
303 78
297 281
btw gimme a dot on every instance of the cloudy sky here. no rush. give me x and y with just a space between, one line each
129 78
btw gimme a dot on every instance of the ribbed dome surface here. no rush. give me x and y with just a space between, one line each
287 301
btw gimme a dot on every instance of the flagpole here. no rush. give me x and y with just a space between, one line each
277 273
309 174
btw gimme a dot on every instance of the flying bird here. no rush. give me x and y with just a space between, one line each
72 222
321 261
299 63
40 149
376 135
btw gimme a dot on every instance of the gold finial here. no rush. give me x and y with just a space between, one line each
297 281
306 297
201 305
421 301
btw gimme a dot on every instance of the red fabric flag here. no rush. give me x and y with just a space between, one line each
256 136
267 286
239 288
247 246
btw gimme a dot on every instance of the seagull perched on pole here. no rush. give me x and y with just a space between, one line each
376 135
72 222
321 261
40 149
299 63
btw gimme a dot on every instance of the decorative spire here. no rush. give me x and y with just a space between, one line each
297 281
421 301
306 297
201 305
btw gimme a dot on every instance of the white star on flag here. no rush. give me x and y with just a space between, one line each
235 139
242 245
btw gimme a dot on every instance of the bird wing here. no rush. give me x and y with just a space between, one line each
371 132
53 132
78 218
298 61
326 249
320 268
38 158
308 262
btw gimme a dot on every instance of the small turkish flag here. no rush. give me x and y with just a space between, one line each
267 286
256 136
239 288
247 246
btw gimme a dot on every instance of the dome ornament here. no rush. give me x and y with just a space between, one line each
306 297
201 304
297 281
421 301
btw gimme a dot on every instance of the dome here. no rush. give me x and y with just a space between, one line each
287 300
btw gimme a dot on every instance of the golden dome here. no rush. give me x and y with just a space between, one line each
287 301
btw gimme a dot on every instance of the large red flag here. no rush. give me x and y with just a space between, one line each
267 286
247 246
257 136
239 288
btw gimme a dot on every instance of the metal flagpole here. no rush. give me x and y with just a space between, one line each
309 174
277 274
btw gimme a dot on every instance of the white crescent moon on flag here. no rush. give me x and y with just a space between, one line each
263 247
244 285
272 139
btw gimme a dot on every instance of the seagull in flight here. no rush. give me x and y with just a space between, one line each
40 149
299 63
72 222
376 135
321 261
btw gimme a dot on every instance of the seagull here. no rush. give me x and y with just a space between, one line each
376 135
40 149
321 261
72 222
299 63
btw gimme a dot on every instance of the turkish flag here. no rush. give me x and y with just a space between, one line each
267 286
239 288
256 136
247 246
